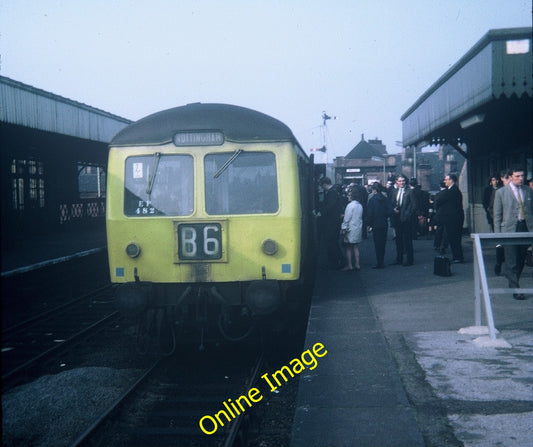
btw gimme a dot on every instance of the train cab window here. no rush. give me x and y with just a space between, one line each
241 183
160 185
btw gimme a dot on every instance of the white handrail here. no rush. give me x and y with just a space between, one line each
481 285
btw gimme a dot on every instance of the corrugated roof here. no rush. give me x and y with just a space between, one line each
485 73
27 106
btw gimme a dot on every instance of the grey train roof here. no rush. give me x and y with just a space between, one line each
237 123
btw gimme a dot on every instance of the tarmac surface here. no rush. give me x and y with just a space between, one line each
399 373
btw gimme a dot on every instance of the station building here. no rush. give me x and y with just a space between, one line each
53 165
366 163
482 107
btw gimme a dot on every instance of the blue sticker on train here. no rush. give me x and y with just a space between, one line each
119 271
285 268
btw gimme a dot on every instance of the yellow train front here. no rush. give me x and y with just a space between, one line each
209 223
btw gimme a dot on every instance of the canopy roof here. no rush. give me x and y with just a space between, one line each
27 106
497 67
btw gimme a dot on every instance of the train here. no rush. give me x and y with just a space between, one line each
210 225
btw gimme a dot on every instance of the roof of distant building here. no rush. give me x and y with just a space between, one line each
367 149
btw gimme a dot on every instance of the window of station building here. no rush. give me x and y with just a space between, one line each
241 183
91 181
27 184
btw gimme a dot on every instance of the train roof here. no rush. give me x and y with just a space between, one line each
237 123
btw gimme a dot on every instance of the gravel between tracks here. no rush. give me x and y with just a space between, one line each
55 409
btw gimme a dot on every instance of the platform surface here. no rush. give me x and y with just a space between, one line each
399 373
38 251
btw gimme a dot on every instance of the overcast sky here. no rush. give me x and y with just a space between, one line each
364 62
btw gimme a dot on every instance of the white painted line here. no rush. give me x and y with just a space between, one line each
42 264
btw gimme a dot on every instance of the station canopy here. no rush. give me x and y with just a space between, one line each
33 108
490 85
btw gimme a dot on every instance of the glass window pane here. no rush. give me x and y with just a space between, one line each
171 190
247 185
91 181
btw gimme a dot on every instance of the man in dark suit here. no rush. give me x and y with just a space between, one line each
379 209
331 211
404 206
451 215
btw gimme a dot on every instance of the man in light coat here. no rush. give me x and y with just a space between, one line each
513 212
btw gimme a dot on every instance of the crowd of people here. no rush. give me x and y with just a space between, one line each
348 214
351 213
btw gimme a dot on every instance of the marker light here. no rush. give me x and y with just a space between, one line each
269 247
133 250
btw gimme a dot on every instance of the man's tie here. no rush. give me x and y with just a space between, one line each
520 201
400 197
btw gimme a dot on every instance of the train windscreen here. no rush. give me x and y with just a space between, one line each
241 183
159 185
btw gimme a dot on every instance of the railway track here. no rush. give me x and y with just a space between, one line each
164 406
27 345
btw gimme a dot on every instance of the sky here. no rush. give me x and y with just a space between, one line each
363 62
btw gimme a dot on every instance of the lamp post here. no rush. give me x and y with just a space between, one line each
382 159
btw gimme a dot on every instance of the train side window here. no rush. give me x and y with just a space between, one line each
241 183
160 185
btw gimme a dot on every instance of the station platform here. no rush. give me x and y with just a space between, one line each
35 253
399 374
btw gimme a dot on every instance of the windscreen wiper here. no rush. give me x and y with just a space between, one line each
151 179
230 161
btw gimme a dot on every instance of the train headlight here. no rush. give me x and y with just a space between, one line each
269 247
133 250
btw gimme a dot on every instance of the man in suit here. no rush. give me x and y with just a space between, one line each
379 209
451 215
404 212
505 178
513 212
331 210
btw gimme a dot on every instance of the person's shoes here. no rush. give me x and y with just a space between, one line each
378 266
407 264
519 296
498 269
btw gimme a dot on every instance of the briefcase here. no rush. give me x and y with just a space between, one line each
441 266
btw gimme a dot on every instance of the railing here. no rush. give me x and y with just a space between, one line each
82 210
481 285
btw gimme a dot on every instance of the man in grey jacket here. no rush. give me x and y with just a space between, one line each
513 212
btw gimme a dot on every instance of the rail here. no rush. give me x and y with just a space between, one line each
481 286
